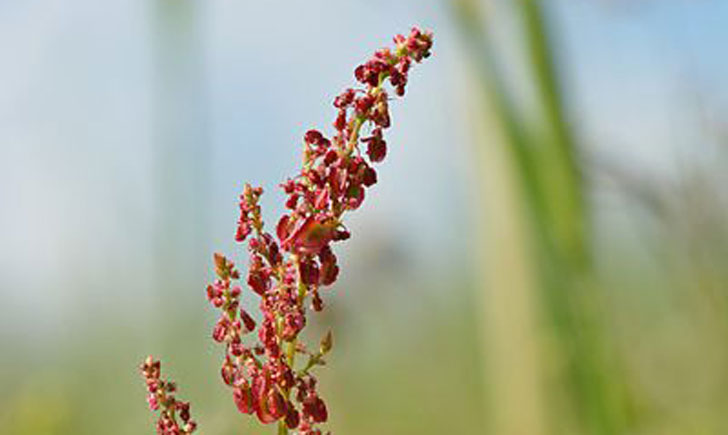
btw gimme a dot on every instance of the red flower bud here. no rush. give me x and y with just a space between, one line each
309 272
370 177
345 99
340 123
376 146
330 158
235 291
220 330
282 229
313 137
227 372
292 201
247 321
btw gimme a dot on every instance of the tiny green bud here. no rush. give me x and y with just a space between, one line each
326 342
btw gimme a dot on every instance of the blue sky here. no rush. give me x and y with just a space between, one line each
77 124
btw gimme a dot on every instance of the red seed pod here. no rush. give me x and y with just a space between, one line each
314 407
191 426
321 414
236 347
235 291
286 380
258 282
340 123
243 231
344 99
376 146
293 324
292 202
315 178
354 196
282 229
184 410
258 278
370 177
311 235
220 330
292 417
247 321
212 293
329 269
152 402
276 404
342 235
261 392
309 272
227 372
313 137
363 104
289 186
330 158
243 398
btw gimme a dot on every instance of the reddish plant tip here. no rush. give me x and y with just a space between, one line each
267 365
289 268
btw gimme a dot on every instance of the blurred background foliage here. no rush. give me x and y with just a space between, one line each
545 253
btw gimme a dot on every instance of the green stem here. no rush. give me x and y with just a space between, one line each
282 428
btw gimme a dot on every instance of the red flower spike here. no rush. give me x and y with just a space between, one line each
287 270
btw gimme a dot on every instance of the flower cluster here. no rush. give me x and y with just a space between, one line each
266 364
288 269
161 395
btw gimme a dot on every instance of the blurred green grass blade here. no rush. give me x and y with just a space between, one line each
512 343
481 52
560 176
544 155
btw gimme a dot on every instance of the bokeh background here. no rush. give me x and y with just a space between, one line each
546 251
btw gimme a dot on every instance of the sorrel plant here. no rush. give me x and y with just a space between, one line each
272 376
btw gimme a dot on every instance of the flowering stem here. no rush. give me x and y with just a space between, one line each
289 268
